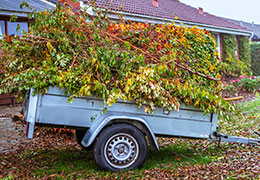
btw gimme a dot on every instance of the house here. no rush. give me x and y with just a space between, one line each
255 28
9 8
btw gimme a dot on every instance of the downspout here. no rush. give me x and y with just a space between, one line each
6 28
252 35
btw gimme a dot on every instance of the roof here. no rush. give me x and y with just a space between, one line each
74 4
167 9
8 7
251 26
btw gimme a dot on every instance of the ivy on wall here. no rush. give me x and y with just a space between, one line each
244 50
232 65
255 57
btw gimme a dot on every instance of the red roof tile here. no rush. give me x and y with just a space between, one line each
74 4
167 9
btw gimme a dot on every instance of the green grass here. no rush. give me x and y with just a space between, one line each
245 122
251 107
73 163
10 177
77 163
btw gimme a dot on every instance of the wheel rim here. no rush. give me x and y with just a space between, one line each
121 150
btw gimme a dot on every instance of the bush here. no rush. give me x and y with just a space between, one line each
250 84
255 56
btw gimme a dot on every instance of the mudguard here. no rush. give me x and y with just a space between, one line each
100 123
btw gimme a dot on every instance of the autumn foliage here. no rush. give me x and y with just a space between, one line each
154 65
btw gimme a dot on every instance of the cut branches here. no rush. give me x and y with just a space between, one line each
90 55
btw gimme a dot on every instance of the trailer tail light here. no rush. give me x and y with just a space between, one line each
27 128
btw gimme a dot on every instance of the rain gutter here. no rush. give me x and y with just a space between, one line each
10 13
158 20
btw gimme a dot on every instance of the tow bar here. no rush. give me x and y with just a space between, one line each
220 137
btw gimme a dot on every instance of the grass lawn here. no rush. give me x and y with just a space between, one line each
246 121
177 158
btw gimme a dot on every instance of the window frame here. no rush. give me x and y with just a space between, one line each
217 39
7 18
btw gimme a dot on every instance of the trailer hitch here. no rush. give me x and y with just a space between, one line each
220 137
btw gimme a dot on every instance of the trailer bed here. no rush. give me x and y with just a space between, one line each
52 109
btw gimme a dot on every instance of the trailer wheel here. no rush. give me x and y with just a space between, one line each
79 136
120 146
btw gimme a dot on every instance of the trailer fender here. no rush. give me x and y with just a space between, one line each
97 126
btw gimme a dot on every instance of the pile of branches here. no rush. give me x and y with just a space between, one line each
155 65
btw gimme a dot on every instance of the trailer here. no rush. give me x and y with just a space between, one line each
119 136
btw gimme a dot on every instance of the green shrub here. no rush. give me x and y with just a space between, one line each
255 57
250 85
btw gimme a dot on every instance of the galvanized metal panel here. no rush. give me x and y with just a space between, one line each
31 113
214 123
187 122
52 108
180 127
183 113
55 110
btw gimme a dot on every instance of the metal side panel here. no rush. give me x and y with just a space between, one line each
214 124
187 122
179 127
55 109
32 113
183 113
55 91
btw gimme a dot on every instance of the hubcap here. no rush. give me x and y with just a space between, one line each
121 150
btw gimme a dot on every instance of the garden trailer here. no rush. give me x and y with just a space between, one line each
118 137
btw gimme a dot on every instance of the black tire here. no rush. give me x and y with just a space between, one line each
120 146
79 136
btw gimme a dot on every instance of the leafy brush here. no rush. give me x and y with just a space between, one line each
155 65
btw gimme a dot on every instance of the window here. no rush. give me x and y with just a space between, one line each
2 29
217 39
12 26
